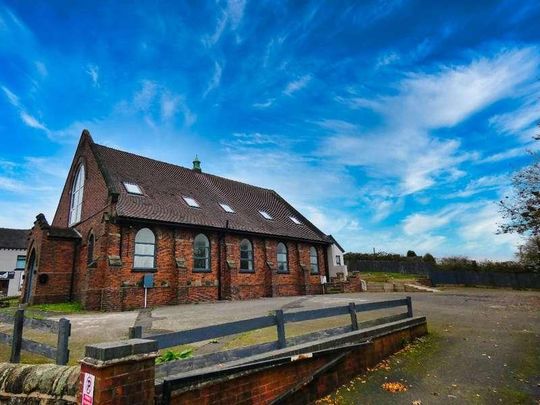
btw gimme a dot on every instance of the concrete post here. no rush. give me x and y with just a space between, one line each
121 372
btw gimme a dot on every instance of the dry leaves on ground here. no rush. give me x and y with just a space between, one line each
394 387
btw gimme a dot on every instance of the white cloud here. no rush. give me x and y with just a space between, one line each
215 80
268 103
296 85
509 154
387 58
521 122
404 148
93 72
230 16
41 68
32 122
416 224
169 105
451 94
12 97
482 184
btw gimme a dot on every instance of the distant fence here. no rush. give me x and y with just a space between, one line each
388 266
62 328
486 278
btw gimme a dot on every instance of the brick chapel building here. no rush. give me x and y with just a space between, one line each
195 236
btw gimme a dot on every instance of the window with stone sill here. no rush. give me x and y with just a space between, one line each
246 256
313 260
145 250
201 254
282 258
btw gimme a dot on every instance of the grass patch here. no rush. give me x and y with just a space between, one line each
291 329
61 307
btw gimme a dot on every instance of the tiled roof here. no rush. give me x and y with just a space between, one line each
13 238
163 186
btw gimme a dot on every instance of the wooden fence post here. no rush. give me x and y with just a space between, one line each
409 307
354 319
280 324
135 332
62 345
16 341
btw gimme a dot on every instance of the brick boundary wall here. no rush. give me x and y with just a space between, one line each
262 387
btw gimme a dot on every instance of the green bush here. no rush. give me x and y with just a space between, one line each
464 263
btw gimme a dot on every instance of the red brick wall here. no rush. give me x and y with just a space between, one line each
54 258
265 386
95 194
122 287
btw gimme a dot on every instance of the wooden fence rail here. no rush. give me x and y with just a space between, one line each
278 320
60 353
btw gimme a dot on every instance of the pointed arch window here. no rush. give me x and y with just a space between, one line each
313 260
77 190
90 251
282 259
145 249
201 253
246 256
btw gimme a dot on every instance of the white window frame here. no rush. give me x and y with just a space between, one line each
227 208
132 188
265 215
77 193
191 202
295 220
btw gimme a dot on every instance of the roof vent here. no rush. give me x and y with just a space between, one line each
197 165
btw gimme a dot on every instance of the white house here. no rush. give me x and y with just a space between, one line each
336 263
12 260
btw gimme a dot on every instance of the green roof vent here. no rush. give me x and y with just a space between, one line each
197 164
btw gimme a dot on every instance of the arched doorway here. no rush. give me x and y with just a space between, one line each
30 276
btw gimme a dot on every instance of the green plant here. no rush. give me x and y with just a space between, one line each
171 355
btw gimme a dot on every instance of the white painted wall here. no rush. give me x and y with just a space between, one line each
8 261
333 266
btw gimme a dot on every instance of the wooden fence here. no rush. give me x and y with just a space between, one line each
279 320
62 328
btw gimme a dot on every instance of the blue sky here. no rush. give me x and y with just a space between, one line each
393 125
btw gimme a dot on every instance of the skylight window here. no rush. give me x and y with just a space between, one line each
265 215
226 207
132 188
191 202
295 220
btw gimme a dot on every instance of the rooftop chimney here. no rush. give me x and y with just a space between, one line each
197 164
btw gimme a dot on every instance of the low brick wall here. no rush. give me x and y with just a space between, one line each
262 386
43 384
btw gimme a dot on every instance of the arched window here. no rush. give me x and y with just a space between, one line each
313 260
282 258
90 252
201 253
145 249
76 196
246 255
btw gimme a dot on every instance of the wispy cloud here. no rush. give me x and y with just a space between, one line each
28 119
215 80
405 148
231 15
93 72
297 85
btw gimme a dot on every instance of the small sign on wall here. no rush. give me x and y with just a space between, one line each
88 389
323 279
